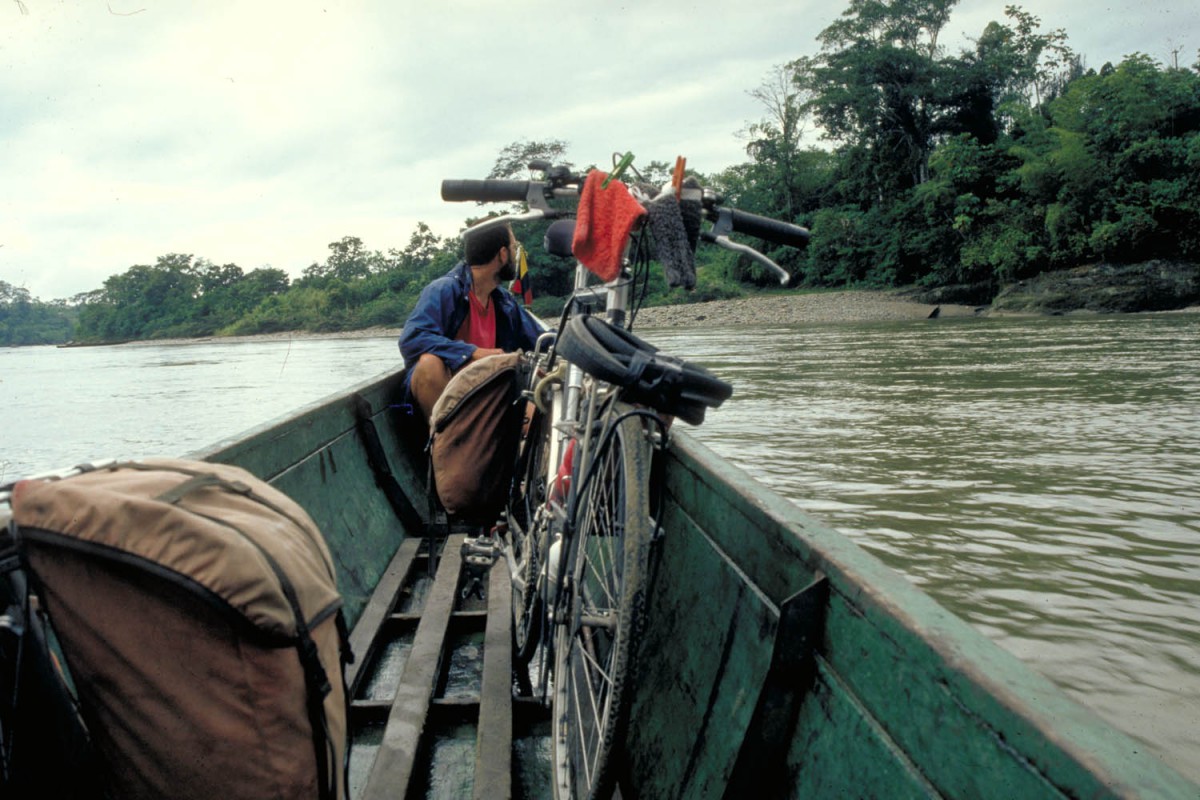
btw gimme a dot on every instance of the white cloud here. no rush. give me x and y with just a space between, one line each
259 133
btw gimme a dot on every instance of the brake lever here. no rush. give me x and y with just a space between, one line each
723 240
719 235
528 216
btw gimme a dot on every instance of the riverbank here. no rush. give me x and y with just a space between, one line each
780 309
773 309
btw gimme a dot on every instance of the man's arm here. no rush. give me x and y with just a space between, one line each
427 330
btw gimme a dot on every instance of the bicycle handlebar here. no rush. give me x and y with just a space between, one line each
772 230
493 190
561 181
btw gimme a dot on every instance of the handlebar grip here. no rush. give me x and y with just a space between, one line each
492 190
766 228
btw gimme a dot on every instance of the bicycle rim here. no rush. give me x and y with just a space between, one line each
594 649
525 523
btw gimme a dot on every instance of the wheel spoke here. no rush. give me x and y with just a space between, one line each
594 651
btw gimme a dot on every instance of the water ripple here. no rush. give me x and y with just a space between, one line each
1037 477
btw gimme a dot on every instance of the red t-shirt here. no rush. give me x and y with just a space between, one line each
479 328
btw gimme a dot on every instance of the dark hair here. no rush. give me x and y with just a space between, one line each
480 247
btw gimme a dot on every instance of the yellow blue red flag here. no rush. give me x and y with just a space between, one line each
522 286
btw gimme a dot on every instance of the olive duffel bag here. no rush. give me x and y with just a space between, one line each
199 615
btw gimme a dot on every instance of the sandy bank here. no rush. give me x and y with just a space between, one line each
794 309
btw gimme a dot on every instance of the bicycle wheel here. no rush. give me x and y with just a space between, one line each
526 523
594 648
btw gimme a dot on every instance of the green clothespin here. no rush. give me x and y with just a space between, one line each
622 165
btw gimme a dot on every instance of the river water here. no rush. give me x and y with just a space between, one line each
1038 477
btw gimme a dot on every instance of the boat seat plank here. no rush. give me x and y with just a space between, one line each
366 631
493 759
393 769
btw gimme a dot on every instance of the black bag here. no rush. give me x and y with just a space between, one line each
45 750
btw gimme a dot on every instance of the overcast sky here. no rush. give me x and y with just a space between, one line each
259 132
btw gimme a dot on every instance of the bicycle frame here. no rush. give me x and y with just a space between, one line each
567 418
581 521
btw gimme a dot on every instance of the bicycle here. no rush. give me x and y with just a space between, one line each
581 519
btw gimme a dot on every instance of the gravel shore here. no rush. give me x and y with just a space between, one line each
793 309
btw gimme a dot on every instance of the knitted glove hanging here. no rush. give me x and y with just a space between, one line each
671 245
603 221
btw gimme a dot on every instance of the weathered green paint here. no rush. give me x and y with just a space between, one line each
908 700
699 675
967 716
831 726
317 457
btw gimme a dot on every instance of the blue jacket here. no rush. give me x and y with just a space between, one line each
440 312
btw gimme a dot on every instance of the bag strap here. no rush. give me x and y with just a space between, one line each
203 481
316 681
38 712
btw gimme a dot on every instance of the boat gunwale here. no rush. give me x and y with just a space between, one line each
1004 692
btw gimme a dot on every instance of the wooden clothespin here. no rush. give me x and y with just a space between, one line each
677 176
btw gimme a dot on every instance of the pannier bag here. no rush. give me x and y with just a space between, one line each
475 436
198 612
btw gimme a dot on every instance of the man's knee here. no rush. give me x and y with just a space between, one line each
429 378
430 367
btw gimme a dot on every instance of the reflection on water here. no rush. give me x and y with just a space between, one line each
464 678
1037 477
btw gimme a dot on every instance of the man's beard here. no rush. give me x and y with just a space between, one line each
508 272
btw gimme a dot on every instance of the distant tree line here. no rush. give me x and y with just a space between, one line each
965 169
974 168
25 320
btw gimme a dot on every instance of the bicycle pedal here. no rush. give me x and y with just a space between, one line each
474 587
480 550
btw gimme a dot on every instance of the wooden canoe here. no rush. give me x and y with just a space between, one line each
779 658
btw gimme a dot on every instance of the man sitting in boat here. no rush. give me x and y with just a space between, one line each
464 316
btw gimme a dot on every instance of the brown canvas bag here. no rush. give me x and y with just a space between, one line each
475 435
199 615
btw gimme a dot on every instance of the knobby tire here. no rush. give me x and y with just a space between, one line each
593 659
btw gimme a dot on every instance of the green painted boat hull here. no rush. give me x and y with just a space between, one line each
779 658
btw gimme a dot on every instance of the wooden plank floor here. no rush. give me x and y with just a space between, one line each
493 755
398 763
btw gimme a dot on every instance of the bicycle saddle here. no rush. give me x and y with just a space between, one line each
557 241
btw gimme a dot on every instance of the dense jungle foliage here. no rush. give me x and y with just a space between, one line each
966 169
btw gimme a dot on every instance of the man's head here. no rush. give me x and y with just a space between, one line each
495 243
